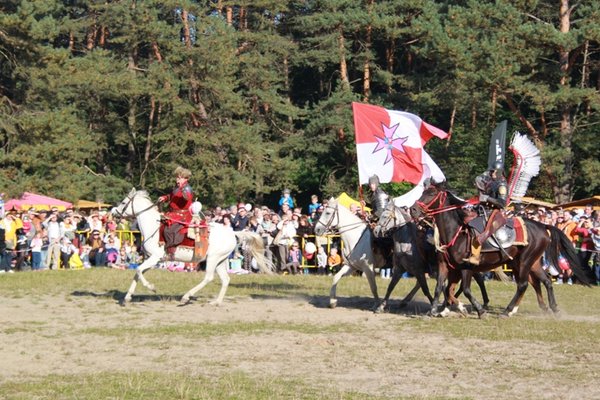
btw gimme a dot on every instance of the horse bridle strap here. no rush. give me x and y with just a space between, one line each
440 198
340 229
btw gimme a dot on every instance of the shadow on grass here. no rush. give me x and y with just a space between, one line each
118 296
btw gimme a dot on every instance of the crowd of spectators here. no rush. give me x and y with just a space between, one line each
52 239
49 239
582 227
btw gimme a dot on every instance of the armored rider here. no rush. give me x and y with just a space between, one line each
178 215
378 199
493 191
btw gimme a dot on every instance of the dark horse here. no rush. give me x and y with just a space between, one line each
448 212
414 254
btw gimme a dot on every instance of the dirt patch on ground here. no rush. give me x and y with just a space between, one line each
373 354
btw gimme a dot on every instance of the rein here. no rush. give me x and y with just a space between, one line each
136 214
340 229
429 211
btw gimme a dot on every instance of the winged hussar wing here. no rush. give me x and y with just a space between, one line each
526 165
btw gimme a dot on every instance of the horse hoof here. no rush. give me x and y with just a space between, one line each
462 310
215 303
482 314
486 307
185 300
445 312
332 303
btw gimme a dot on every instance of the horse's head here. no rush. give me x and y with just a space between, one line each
329 218
125 207
433 197
391 217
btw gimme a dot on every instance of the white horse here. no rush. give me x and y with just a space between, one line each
357 238
221 243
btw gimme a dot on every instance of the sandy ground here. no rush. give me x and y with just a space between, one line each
373 354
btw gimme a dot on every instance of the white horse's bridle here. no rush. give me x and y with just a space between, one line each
332 223
133 213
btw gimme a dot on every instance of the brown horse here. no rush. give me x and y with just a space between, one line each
448 212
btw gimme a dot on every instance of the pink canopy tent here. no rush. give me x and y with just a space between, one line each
37 201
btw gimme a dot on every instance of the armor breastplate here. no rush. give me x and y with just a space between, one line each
380 202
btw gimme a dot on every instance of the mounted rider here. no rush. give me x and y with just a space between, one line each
179 201
493 193
378 198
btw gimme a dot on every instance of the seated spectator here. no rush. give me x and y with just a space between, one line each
294 259
334 261
97 254
67 249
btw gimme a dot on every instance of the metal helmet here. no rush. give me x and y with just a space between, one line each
374 179
498 167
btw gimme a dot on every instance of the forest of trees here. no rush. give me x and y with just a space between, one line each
97 96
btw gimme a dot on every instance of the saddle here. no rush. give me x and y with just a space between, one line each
194 233
512 233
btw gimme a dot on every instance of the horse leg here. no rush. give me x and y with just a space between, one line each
139 276
467 274
538 275
345 270
478 276
224 276
439 287
535 283
522 283
370 274
211 265
451 297
396 274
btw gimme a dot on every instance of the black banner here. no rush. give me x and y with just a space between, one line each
497 145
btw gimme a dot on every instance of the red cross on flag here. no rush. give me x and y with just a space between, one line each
390 143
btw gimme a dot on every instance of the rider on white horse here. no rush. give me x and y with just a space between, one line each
178 216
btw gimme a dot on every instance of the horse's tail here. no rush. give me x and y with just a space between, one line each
254 243
501 275
561 245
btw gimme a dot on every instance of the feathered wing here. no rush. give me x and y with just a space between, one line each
526 165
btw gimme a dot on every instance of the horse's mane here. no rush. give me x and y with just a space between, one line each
453 198
143 193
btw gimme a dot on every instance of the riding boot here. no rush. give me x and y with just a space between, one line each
475 253
496 220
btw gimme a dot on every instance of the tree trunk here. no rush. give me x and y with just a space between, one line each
186 29
366 66
343 64
452 118
131 119
390 49
229 15
563 185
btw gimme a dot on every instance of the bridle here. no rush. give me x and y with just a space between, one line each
335 221
440 198
134 214
429 210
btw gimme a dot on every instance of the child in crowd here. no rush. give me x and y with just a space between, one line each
36 251
321 260
294 258
334 261
85 255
